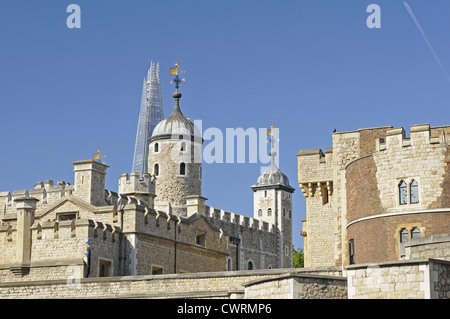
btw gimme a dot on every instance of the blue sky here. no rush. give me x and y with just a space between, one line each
306 66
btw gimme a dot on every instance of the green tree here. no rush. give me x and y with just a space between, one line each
297 258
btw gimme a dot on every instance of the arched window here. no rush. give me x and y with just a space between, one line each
415 233
229 264
269 212
260 213
414 192
403 193
250 265
290 213
404 235
182 169
284 212
183 146
156 169
156 148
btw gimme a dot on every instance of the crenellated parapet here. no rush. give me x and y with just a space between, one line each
46 194
420 135
225 219
80 228
139 187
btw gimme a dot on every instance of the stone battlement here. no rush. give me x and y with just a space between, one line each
419 135
46 193
135 184
222 216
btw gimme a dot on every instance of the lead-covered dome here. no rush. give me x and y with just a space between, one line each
273 177
176 124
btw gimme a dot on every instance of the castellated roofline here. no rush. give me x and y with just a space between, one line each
134 183
221 216
420 134
66 229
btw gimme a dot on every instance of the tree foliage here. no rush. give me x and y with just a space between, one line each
297 258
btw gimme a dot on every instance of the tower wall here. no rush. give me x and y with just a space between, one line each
90 181
171 187
360 176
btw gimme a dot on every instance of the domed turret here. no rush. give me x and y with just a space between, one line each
175 159
272 203
273 177
175 124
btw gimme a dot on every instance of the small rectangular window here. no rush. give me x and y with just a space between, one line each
67 216
200 238
156 270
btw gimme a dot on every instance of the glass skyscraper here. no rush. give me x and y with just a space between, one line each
150 114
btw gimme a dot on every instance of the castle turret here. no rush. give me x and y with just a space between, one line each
90 181
141 188
273 204
175 159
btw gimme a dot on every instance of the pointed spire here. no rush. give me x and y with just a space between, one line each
150 114
151 72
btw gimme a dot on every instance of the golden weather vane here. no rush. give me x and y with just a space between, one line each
98 156
177 72
272 132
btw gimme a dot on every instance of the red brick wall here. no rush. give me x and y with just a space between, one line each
362 191
444 199
367 140
377 240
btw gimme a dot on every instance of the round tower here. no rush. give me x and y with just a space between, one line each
272 203
175 161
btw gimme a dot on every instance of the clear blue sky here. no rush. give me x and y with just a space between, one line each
307 66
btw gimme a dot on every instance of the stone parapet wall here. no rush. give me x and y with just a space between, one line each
413 279
198 285
436 246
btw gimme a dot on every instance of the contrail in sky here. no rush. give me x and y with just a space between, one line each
426 40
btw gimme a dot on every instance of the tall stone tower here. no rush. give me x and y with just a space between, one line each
273 204
175 159
150 114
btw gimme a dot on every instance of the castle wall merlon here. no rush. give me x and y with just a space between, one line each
228 218
420 134
135 184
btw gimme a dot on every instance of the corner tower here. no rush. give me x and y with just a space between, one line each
273 204
175 160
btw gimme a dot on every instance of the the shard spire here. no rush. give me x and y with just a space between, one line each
150 114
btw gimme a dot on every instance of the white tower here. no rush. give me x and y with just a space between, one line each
273 204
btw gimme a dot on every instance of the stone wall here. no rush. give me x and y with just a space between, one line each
363 170
171 187
199 285
413 279
437 246
297 286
